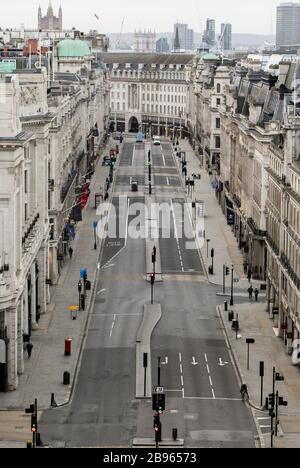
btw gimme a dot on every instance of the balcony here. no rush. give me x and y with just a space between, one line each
257 232
273 245
287 266
66 187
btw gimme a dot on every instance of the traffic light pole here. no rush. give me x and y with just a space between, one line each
224 280
34 434
231 299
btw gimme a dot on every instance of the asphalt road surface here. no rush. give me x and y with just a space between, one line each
203 399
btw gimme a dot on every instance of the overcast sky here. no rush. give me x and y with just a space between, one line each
249 16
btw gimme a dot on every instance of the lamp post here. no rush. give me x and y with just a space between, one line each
208 241
232 277
95 225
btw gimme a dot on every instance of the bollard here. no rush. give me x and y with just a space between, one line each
67 378
226 306
175 434
230 316
29 444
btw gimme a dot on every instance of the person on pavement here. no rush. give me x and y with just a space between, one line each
256 293
250 291
29 348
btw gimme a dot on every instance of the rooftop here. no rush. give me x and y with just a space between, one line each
146 58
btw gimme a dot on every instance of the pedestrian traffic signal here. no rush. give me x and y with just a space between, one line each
279 378
271 402
227 271
33 423
30 410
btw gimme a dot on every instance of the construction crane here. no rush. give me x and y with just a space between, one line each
120 35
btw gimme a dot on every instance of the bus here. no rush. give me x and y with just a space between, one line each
139 137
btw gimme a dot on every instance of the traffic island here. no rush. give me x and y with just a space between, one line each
152 315
163 444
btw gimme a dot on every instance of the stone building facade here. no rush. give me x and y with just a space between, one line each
49 135
257 174
148 92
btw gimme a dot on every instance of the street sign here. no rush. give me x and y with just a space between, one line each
159 390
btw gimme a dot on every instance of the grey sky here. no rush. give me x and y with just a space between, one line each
249 16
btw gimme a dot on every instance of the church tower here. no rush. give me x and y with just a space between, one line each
60 18
40 18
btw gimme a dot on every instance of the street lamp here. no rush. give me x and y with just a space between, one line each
208 241
95 225
232 277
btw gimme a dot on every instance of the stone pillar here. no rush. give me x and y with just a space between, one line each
25 309
12 355
33 297
20 346
43 292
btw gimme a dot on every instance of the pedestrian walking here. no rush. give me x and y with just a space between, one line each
71 252
245 268
29 348
249 275
106 196
256 293
244 392
250 291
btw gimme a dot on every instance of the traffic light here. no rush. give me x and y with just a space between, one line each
227 271
152 279
30 410
279 378
161 402
271 401
282 402
33 423
156 422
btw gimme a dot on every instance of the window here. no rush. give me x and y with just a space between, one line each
218 101
218 123
25 211
218 88
25 181
218 142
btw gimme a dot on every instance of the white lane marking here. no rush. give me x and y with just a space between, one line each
174 391
164 159
113 325
98 266
183 393
206 360
174 411
265 427
166 362
222 364
213 392
208 369
181 369
117 315
210 381
180 357
176 235
100 292
182 382
212 399
108 266
263 419
194 363
126 237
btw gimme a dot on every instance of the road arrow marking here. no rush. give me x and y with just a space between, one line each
100 292
222 364
194 363
166 362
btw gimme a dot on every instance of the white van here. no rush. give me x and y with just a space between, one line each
156 141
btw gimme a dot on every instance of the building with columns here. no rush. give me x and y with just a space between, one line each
257 174
50 22
144 41
49 134
148 92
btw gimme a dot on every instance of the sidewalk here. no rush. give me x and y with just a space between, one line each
256 323
44 372
221 237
